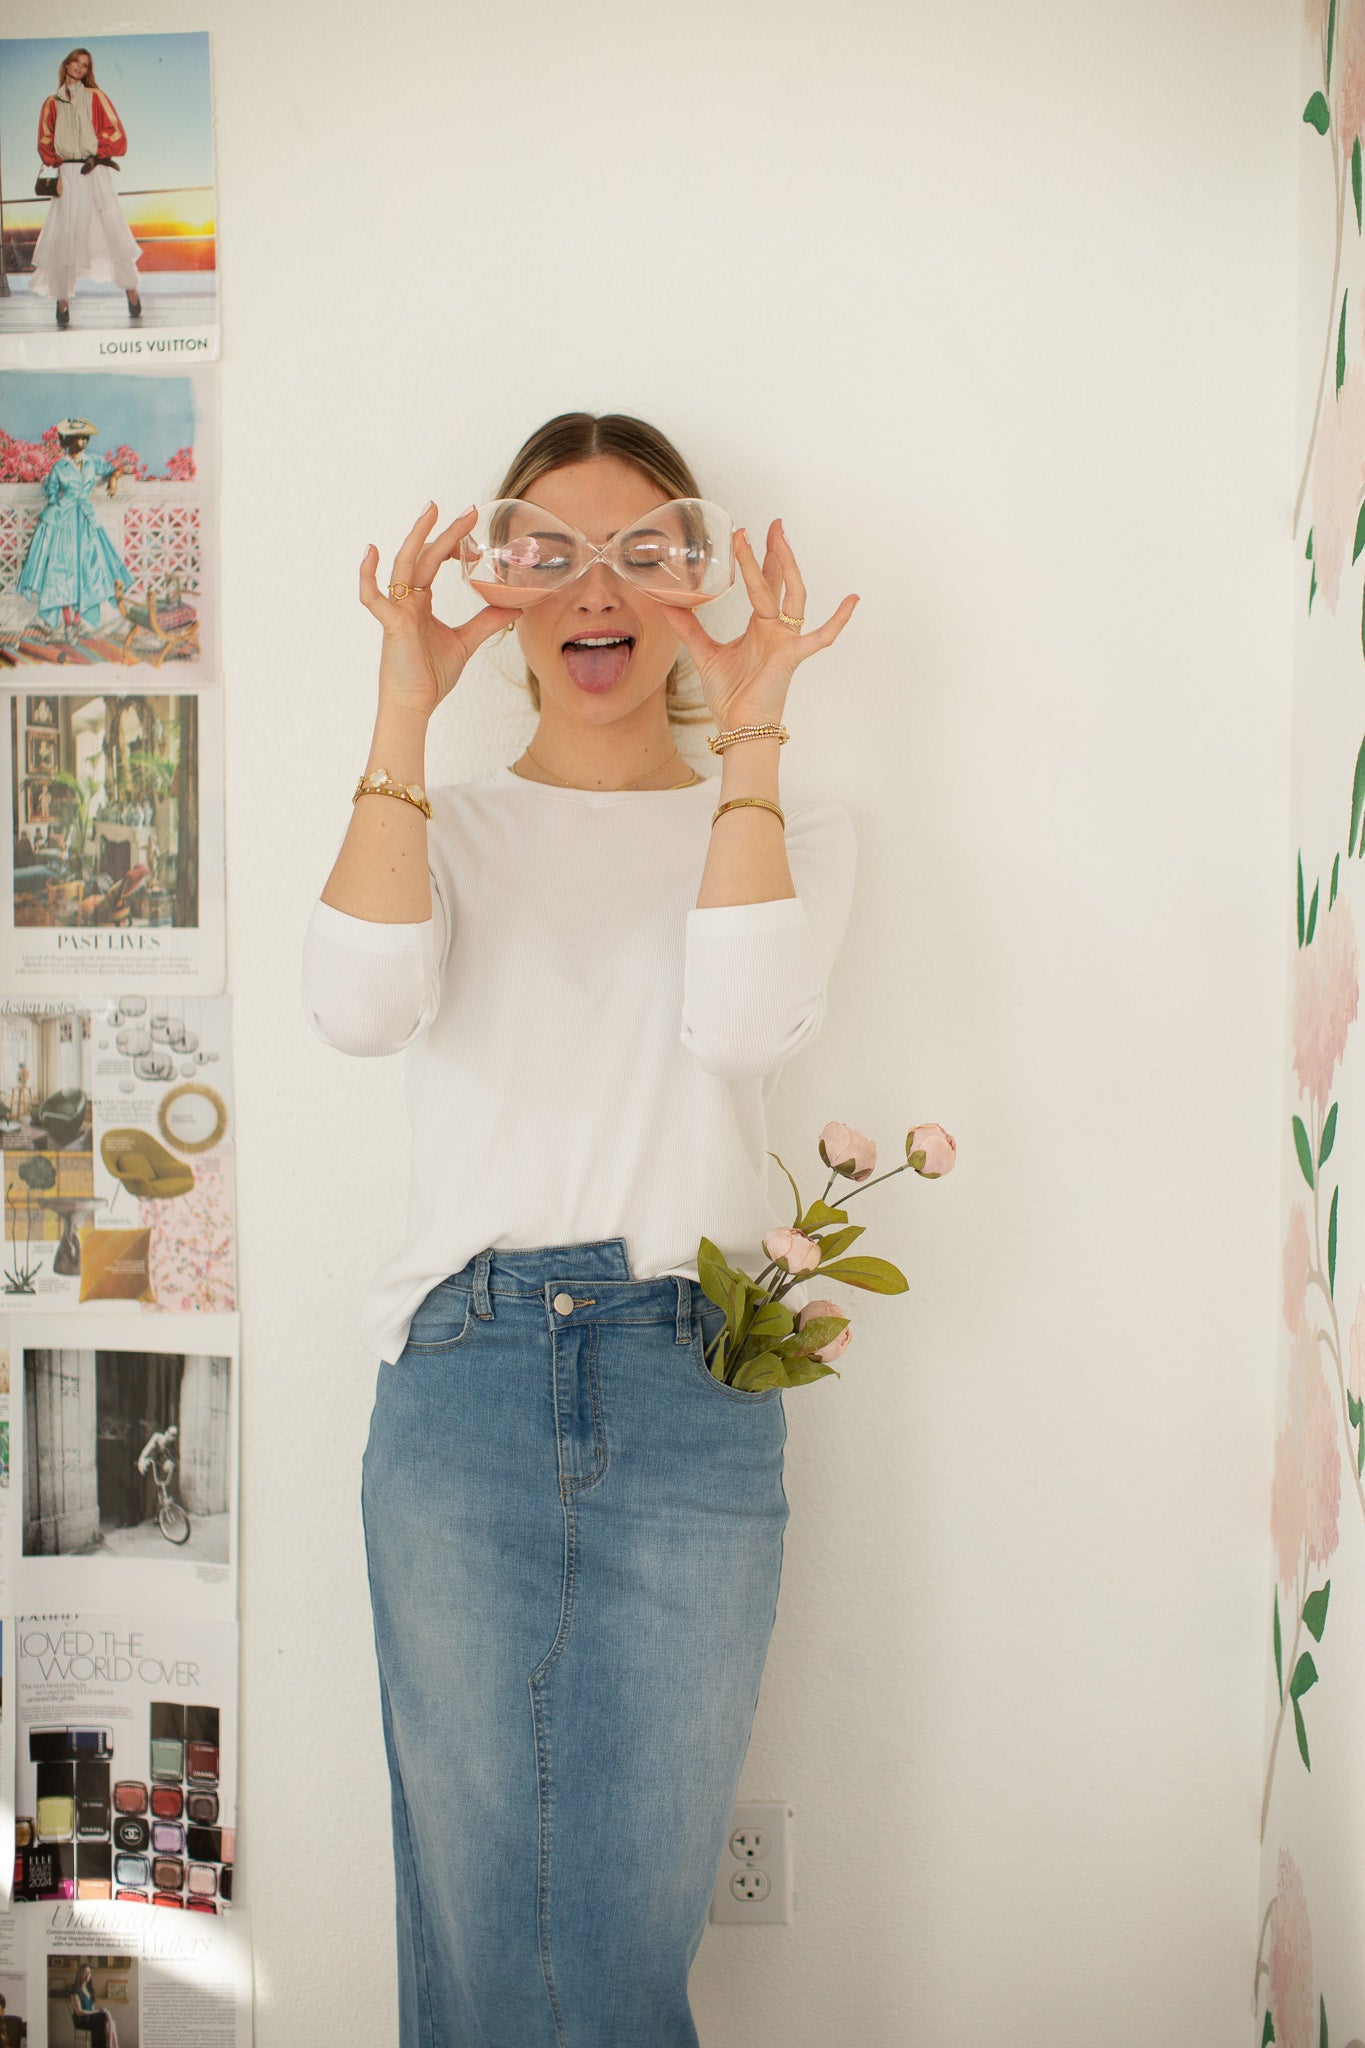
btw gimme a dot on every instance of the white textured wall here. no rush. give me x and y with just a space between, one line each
993 306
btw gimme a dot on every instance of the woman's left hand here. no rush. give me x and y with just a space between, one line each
745 680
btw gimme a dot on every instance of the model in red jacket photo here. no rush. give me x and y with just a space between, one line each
81 137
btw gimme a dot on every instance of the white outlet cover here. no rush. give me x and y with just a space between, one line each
774 1819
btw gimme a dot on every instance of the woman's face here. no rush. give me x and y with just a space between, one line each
77 68
599 496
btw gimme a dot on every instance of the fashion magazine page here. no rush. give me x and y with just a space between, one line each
107 193
108 531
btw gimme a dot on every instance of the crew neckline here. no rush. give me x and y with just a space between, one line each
508 775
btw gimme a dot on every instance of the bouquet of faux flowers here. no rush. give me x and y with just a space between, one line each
762 1344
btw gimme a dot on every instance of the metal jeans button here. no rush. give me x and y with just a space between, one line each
564 1304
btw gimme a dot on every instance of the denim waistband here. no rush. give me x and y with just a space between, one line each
595 1277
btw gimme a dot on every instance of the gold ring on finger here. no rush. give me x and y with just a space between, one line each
787 620
405 589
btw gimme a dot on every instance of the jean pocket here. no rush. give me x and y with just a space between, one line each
706 1322
444 1320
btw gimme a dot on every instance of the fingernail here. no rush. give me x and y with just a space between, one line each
465 514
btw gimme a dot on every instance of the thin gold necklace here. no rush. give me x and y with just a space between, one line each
691 776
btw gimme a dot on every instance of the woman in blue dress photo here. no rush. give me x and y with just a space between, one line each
72 565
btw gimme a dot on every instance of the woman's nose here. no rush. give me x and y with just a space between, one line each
598 586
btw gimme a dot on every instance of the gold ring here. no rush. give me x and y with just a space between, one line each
405 589
788 621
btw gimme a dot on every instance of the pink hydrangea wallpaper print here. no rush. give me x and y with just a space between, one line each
1308 1978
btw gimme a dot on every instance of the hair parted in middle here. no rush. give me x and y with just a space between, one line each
576 437
79 51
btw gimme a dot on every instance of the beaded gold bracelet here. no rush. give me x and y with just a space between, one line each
381 783
719 741
766 803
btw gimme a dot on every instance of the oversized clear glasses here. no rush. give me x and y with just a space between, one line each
681 552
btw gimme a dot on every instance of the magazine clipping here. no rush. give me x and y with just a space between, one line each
110 209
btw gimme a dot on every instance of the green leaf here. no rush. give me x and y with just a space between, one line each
1355 1409
796 1219
838 1241
1312 916
1332 1244
814 1335
714 1274
1332 892
772 1319
1355 179
1305 1675
1331 40
1357 802
1329 1131
878 1276
1304 1150
1322 2002
1308 551
801 1371
1317 114
1279 1652
819 1214
1341 341
1301 875
1268 2030
1302 1734
764 1371
38 1172
1312 588
1315 1611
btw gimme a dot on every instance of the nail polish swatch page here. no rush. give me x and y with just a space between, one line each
125 1738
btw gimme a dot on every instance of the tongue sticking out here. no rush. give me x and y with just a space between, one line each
596 668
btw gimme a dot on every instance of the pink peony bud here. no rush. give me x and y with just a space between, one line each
792 1250
847 1151
940 1150
836 1344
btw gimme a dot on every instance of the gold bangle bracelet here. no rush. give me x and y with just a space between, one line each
380 783
719 741
765 802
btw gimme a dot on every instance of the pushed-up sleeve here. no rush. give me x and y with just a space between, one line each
370 988
755 974
109 130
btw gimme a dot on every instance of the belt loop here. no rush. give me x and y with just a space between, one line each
684 1335
482 1305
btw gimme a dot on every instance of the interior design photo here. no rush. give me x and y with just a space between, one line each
46 1139
105 812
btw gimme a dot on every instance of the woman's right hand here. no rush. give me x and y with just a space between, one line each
422 658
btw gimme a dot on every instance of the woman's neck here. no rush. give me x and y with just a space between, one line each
563 758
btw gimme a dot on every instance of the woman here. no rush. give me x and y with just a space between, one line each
88 2018
84 235
574 1531
72 566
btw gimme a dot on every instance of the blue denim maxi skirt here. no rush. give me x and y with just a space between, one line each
575 1538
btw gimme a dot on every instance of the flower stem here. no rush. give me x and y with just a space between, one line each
1284 1695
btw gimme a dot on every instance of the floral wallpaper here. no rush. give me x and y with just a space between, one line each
1308 1976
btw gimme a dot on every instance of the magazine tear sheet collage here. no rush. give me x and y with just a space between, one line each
119 1328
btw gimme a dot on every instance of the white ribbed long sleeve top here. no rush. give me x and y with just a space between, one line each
588 1054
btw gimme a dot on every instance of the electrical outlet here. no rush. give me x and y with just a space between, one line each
754 1882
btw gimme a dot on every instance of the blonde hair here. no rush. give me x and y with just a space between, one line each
576 436
79 51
